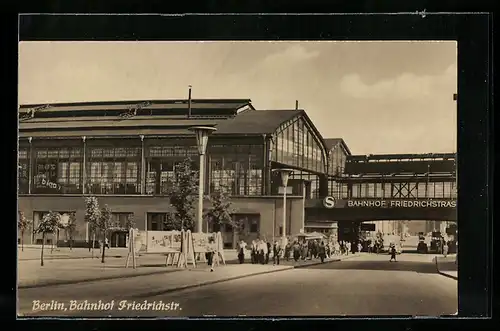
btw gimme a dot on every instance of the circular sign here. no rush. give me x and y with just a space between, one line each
329 202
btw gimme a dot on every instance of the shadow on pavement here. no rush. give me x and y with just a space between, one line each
411 266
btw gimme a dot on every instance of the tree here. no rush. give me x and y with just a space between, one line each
71 229
220 212
171 223
130 223
92 216
49 224
103 225
183 194
23 224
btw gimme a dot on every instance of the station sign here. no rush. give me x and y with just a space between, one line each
331 202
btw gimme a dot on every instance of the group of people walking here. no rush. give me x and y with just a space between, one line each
261 250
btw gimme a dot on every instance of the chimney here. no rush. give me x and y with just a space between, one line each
189 102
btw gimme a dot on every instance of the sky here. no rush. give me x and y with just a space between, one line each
380 97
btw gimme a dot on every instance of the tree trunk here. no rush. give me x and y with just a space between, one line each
43 244
57 238
103 246
22 241
70 242
93 243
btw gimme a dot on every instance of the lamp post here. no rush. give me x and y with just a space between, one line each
285 174
202 133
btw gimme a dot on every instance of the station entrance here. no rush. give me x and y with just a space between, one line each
352 216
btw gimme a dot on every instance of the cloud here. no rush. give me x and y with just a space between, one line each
404 86
292 54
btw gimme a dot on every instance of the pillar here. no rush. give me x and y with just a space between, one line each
266 173
84 169
323 186
143 166
30 164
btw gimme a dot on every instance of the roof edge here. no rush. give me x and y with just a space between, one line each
126 102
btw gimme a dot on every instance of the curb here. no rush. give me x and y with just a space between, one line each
88 280
443 273
185 287
315 263
72 258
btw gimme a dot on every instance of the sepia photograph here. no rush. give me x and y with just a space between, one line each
230 179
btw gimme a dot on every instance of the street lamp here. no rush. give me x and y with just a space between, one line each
202 133
285 174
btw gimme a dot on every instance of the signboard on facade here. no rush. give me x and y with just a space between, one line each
367 227
289 190
330 202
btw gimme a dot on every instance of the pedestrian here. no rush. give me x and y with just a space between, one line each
321 252
262 251
241 251
210 253
276 253
393 253
253 253
296 251
360 247
106 243
288 249
445 249
305 250
268 251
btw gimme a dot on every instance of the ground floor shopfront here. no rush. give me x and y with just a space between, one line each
261 216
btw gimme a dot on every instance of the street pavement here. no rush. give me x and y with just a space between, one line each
366 284
447 266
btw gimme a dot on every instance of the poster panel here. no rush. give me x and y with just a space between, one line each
163 241
140 241
200 241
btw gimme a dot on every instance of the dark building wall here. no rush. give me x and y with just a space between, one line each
269 209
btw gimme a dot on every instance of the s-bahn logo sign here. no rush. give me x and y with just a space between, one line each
331 202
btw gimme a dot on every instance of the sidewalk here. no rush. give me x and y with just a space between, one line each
72 271
32 253
446 266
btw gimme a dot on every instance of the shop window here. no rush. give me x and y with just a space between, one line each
114 170
57 170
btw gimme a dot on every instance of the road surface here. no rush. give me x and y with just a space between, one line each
368 285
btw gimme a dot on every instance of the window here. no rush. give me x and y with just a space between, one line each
58 170
119 220
296 145
254 225
370 190
23 172
114 170
161 163
156 221
236 169
37 218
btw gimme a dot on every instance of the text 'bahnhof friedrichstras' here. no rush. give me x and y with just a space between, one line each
125 153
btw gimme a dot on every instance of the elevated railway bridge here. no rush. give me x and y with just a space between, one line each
388 187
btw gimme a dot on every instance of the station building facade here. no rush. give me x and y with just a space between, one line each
125 153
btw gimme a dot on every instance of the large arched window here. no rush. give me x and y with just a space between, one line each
296 144
337 159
